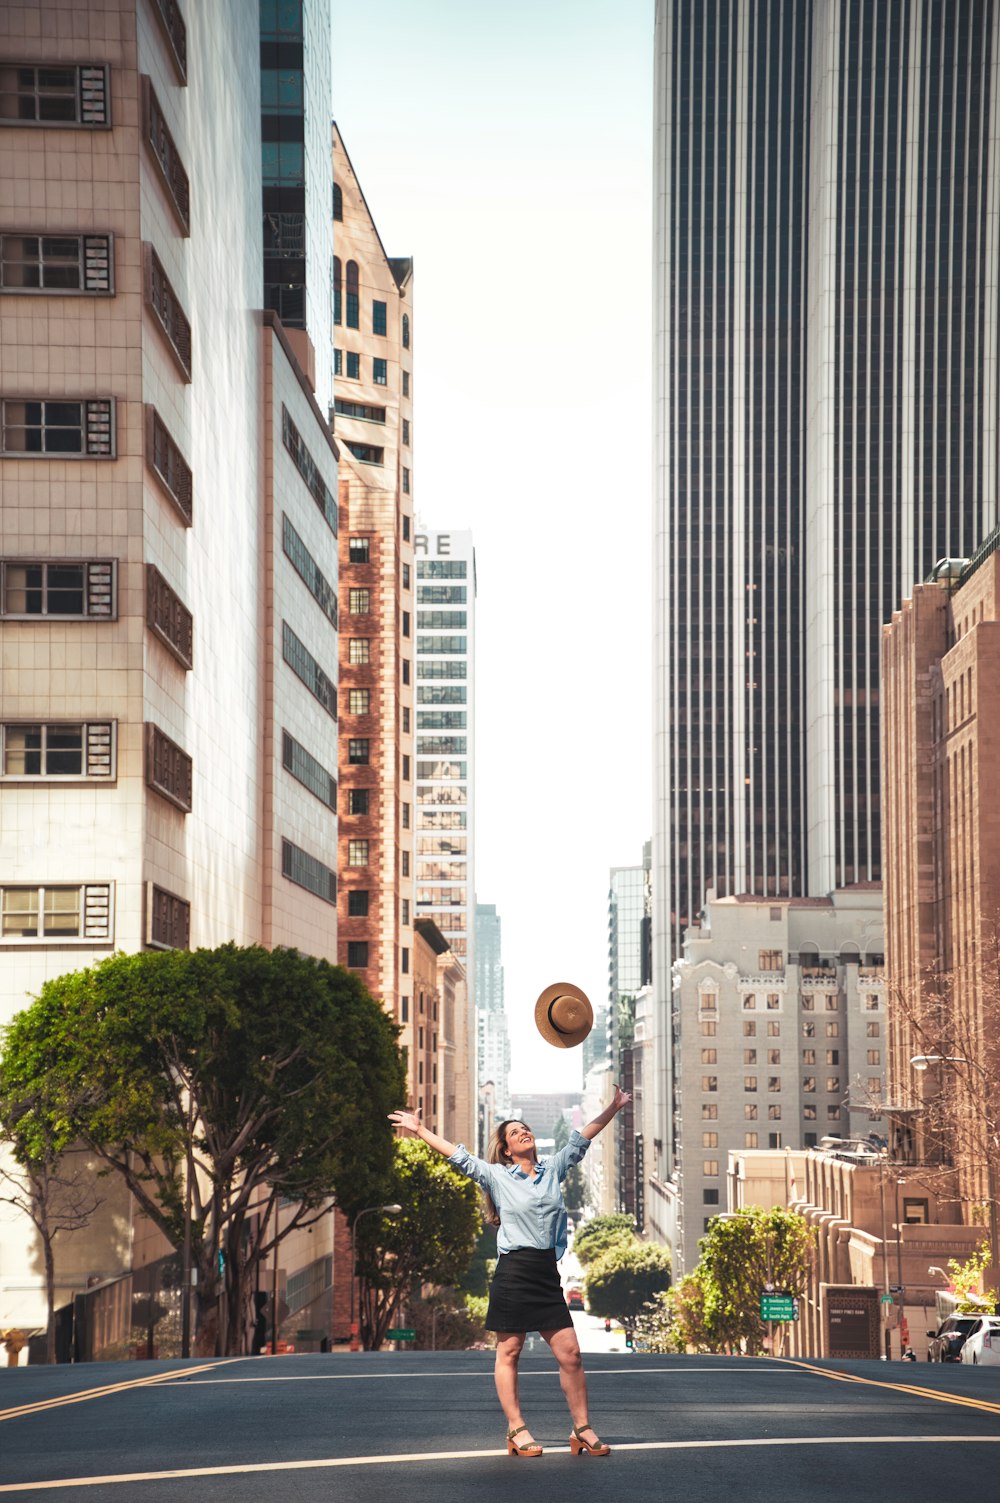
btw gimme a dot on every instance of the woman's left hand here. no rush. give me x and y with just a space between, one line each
622 1098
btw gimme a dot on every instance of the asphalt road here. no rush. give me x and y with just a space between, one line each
418 1426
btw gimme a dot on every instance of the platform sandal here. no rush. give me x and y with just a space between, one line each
513 1449
580 1447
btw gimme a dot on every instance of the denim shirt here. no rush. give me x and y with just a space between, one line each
532 1209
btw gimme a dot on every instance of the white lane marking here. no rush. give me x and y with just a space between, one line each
410 1456
524 1372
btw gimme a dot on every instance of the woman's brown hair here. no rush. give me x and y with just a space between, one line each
498 1153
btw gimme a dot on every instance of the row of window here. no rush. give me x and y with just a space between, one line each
351 367
84 913
751 1112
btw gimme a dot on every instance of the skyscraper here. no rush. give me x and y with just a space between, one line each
491 1018
826 366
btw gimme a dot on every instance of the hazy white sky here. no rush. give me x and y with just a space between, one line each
507 148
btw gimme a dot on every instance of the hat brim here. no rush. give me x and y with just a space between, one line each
562 1038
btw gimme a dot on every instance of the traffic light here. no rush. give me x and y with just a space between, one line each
628 1339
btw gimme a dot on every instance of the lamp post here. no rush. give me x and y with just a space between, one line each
390 1210
921 1062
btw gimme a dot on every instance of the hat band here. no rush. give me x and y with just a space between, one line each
564 1031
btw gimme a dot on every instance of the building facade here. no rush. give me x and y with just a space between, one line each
373 399
491 1019
779 1041
168 599
941 813
826 263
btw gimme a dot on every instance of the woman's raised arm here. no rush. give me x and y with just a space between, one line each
411 1121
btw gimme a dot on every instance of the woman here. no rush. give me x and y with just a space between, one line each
524 1199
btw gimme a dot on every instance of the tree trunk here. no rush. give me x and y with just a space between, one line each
50 1295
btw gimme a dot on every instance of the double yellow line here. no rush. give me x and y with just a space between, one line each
98 1393
910 1388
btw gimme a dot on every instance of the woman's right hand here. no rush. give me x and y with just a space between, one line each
409 1120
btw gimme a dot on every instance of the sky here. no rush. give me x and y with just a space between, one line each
507 147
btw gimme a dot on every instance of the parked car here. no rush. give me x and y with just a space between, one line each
982 1345
574 1299
947 1341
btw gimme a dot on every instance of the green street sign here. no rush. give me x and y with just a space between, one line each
886 1299
777 1307
402 1334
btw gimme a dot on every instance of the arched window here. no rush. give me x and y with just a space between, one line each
337 277
353 307
406 331
338 201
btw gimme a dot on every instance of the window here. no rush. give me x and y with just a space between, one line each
304 666
338 202
357 801
56 914
406 331
39 428
809 1113
353 305
359 650
357 954
168 618
774 1056
168 465
809 1083
406 722
406 481
749 1056
749 1140
774 1113
710 1056
357 853
833 1113
357 903
56 263
810 1140
362 412
750 1111
338 362
443 645
808 1030
306 871
309 471
749 1002
406 623
773 1001
338 289
405 816
405 961
406 430
359 701
872 1002
773 1030
406 576
709 1026
809 1056
833 1030
166 156
307 771
774 1083
808 1004
406 383
770 960
406 670
710 1140
378 316
711 1198
353 366
57 750
750 1028
404 863
915 1211
749 1082
874 1056
774 1140
404 911
380 371
366 453
708 1001
165 305
832 1004
833 1056
48 94
359 602
168 13
357 751
169 769
832 1083
58 589
406 528
168 920
282 163
360 550
872 1030
709 1111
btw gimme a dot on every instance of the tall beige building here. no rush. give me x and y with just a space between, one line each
168 579
941 834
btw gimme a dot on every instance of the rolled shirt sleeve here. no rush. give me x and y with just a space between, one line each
478 1169
571 1153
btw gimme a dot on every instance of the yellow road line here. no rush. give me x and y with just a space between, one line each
911 1388
59 1400
327 1463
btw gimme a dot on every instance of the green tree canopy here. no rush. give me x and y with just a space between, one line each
432 1240
627 1277
247 1074
600 1233
740 1256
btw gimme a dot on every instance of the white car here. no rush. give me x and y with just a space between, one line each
982 1345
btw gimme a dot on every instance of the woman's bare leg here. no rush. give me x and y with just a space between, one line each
509 1344
566 1350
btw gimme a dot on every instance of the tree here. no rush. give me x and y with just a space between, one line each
968 1280
600 1233
216 1082
625 1278
741 1255
675 1320
432 1240
56 1191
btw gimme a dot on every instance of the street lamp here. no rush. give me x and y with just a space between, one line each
921 1062
391 1210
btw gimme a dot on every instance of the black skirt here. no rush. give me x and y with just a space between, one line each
526 1294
